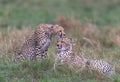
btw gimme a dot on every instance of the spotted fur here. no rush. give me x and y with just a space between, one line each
36 46
101 66
66 53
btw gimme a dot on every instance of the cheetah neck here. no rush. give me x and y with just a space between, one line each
67 53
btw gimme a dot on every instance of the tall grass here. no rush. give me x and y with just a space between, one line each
93 44
89 22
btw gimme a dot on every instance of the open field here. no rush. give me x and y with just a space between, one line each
94 24
21 13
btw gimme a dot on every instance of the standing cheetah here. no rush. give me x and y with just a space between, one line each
37 44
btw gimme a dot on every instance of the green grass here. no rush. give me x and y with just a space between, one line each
21 13
29 13
42 72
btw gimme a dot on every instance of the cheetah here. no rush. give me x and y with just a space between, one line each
36 46
100 66
67 55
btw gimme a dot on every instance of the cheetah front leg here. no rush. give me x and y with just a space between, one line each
58 60
55 62
45 46
41 51
54 66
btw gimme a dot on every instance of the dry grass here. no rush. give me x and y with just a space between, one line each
90 33
11 41
97 43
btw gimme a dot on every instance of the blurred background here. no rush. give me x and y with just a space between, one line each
94 24
19 13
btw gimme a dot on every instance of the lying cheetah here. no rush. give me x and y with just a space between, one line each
100 66
66 55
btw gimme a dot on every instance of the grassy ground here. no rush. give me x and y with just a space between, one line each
30 13
90 22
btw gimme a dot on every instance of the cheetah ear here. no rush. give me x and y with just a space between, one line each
73 40
54 25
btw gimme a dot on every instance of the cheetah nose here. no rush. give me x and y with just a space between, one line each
63 35
57 45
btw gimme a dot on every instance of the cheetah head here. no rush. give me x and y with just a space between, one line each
64 44
58 31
